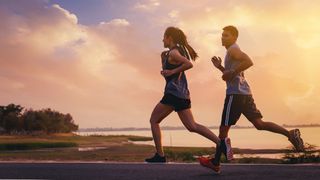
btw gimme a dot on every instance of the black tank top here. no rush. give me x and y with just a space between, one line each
176 84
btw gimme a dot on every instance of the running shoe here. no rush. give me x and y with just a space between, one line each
296 140
156 159
227 149
208 163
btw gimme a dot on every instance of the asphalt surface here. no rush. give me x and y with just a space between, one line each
103 170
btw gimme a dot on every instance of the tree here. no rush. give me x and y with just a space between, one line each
45 120
48 121
10 117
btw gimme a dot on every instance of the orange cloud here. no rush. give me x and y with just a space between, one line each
108 74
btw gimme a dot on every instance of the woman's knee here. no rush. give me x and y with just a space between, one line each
154 120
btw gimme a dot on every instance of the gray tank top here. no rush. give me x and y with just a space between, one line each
176 84
238 85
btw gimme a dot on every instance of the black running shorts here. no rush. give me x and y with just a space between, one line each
237 104
178 104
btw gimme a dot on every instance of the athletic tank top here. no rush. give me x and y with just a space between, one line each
176 84
238 85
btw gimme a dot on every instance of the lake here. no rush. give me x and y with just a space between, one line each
240 138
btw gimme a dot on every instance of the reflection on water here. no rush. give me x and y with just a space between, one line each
240 138
272 156
239 156
90 148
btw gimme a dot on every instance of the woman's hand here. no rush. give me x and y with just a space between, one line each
167 73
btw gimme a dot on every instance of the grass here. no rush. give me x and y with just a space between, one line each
140 138
66 147
311 155
186 154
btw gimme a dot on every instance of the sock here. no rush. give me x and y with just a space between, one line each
218 153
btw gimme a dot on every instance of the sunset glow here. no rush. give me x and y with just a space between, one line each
100 60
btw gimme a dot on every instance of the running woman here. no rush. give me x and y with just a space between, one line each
239 100
176 93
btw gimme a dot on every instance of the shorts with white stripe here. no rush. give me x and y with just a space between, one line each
237 104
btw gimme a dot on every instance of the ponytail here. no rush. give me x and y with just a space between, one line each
180 38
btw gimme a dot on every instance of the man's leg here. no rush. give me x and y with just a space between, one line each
255 117
223 134
269 126
214 163
293 135
230 114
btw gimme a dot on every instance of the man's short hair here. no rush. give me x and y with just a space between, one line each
233 30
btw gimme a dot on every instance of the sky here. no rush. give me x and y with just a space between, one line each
99 60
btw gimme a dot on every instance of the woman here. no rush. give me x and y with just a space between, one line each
176 93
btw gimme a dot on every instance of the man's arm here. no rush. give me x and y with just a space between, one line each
177 58
245 63
216 61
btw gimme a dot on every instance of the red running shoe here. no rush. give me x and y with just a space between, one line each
207 162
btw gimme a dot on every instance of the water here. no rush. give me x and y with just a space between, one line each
240 138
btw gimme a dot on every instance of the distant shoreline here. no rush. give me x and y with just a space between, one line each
183 128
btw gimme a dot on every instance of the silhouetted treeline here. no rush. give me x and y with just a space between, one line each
14 119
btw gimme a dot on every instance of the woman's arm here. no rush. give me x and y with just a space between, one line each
163 57
177 58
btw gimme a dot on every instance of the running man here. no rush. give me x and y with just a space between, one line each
176 93
239 100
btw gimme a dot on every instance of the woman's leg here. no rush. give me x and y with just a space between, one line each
188 121
158 114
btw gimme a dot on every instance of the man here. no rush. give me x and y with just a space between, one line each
239 100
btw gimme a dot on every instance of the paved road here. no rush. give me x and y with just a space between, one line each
100 170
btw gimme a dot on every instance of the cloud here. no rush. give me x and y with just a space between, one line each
67 14
282 42
174 14
52 61
147 6
107 74
116 22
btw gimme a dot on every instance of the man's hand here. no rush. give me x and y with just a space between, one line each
228 75
167 73
216 61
